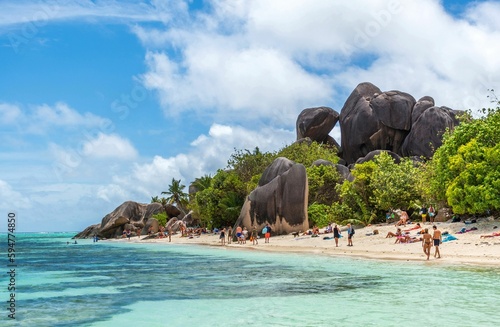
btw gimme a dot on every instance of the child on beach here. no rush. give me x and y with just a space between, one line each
254 236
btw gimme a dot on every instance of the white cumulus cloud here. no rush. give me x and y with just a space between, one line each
109 146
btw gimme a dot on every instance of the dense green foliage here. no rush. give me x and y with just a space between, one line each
466 170
161 217
378 186
322 180
319 214
306 154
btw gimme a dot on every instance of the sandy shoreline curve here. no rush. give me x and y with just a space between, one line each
467 249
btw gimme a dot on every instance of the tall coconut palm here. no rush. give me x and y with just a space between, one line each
176 195
202 183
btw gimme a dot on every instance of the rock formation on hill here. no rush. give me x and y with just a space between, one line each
371 121
374 120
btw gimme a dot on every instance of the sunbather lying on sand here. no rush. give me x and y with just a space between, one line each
407 239
417 226
490 235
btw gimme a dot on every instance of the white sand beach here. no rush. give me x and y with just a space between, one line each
467 249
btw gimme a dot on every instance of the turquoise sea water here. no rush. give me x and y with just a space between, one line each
130 284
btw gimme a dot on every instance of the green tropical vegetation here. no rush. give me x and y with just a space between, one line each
465 171
464 175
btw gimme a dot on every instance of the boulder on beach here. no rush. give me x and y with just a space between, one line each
128 214
279 200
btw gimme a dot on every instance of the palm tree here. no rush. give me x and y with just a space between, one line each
202 183
155 199
177 195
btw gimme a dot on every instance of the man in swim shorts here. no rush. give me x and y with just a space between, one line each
436 237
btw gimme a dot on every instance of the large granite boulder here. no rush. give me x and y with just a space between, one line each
128 214
316 124
374 120
426 134
357 123
151 225
279 200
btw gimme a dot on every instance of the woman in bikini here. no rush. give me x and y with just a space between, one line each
427 243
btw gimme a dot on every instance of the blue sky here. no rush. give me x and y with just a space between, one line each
107 101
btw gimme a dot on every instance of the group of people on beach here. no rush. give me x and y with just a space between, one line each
242 235
429 240
426 238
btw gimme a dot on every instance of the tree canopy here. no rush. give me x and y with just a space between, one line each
466 170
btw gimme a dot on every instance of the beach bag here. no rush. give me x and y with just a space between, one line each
264 230
352 231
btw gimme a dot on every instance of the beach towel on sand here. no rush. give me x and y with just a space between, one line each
448 237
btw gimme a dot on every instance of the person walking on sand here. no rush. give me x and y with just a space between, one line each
350 234
336 235
427 243
170 233
436 237
254 236
229 234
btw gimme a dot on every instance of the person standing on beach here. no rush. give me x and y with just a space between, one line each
254 236
436 237
267 235
170 233
427 243
432 213
222 236
336 235
238 234
229 234
350 234
423 212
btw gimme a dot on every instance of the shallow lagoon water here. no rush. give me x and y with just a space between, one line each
130 284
